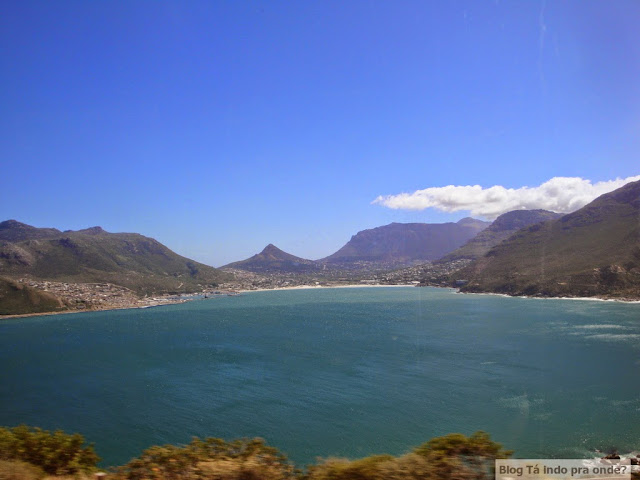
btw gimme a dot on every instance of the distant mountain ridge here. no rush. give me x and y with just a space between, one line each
272 259
14 231
502 228
592 251
93 255
394 244
407 242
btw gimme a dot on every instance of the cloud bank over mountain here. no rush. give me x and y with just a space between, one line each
559 194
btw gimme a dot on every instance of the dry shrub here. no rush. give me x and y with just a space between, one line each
368 468
209 459
452 457
16 470
251 468
57 453
407 467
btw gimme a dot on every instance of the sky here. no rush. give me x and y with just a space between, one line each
218 127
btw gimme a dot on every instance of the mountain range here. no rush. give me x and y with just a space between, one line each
396 244
594 251
502 228
93 255
406 242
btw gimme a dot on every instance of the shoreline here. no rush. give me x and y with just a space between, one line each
593 299
313 287
176 301
94 310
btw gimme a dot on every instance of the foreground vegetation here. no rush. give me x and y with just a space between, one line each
30 453
34 454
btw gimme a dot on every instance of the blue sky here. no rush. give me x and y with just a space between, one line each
218 127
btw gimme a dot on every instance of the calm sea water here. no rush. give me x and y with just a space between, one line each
347 372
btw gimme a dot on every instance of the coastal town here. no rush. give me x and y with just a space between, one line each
98 296
423 274
108 296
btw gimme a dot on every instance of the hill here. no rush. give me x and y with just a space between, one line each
406 242
14 231
273 260
502 228
94 256
18 299
594 251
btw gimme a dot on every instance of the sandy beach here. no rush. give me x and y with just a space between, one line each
311 287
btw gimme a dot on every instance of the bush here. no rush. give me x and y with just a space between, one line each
369 468
56 453
450 457
456 456
211 458
16 470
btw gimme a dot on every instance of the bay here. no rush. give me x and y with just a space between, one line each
333 372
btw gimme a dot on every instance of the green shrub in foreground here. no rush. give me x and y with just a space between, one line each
56 453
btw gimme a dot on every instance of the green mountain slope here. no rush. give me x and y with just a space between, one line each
274 260
593 251
502 228
93 255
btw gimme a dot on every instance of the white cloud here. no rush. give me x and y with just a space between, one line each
560 194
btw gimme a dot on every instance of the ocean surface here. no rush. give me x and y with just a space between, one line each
333 372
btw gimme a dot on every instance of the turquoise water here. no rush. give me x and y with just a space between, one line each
346 372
